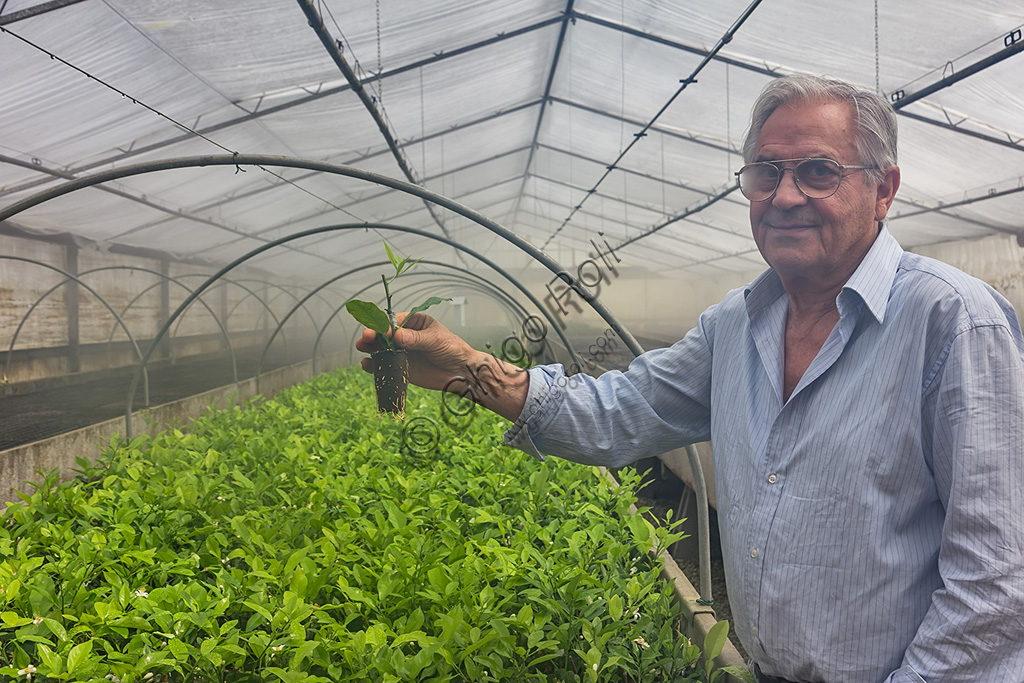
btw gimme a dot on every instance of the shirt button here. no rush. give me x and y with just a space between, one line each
772 478
753 553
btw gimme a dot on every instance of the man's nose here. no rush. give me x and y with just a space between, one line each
787 194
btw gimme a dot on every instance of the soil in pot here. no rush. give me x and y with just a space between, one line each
390 380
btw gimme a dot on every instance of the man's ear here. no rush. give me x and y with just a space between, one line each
886 192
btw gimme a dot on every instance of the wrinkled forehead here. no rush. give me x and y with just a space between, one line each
809 129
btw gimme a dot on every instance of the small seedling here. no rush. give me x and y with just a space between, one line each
390 364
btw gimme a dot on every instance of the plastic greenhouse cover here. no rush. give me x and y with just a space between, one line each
514 108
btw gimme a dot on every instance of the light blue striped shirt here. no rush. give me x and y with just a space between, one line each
873 525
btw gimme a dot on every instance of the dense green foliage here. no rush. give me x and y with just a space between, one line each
296 540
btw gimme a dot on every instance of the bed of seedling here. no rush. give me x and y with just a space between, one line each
298 539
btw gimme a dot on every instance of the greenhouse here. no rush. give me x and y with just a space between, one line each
204 206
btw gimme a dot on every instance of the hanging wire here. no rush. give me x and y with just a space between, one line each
728 127
380 67
135 100
423 127
726 38
878 80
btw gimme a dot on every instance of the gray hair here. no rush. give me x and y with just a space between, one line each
875 134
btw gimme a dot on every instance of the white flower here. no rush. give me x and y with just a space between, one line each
27 671
220 498
594 667
636 614
632 570
141 593
37 621
149 675
641 642
277 648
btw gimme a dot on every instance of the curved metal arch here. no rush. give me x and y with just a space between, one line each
283 290
418 191
266 305
337 169
68 276
422 233
227 317
511 306
484 287
138 296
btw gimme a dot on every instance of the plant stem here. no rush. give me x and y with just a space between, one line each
391 315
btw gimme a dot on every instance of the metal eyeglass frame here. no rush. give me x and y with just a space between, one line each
796 179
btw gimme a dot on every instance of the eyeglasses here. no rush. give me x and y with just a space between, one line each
815 178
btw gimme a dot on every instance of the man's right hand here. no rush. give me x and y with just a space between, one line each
441 360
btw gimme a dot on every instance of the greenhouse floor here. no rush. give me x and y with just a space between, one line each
40 414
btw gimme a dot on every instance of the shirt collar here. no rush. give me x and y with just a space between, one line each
871 281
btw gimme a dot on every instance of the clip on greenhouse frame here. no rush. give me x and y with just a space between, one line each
261 160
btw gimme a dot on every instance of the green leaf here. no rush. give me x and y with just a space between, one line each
615 606
740 672
177 648
55 628
391 257
79 654
12 619
369 314
714 641
432 301
52 660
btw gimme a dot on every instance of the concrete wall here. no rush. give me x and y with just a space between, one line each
54 329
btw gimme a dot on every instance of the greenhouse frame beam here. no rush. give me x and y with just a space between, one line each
676 259
1007 142
360 174
36 10
63 238
311 97
625 169
545 98
688 137
312 214
900 100
585 243
921 209
699 51
174 213
711 199
898 104
684 83
370 103
677 238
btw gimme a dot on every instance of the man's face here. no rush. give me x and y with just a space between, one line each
821 240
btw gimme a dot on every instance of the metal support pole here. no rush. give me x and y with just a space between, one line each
71 309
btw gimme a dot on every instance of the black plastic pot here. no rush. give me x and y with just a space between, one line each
390 380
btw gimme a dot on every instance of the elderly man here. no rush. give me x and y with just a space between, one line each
865 406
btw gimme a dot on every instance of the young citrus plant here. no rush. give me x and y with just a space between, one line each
390 364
